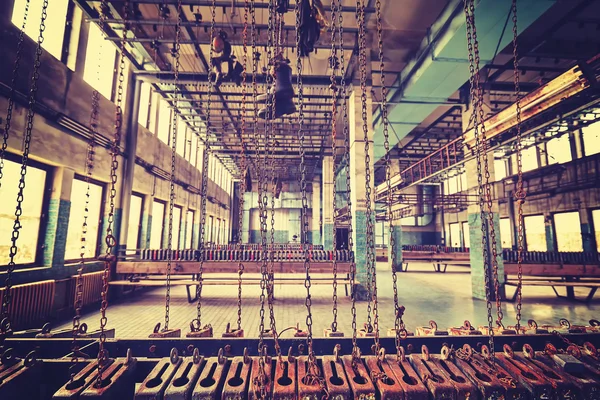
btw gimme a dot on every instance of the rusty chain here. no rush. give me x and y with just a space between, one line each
333 65
5 325
520 193
175 54
469 10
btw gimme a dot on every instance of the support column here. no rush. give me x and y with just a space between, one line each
397 235
476 235
551 244
146 221
316 210
587 234
328 183
358 186
55 237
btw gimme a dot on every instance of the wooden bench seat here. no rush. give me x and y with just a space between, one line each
593 285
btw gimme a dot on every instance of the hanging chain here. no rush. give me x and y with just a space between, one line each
244 164
110 239
175 54
7 298
346 161
203 190
11 94
469 10
520 193
334 93
400 330
89 167
371 264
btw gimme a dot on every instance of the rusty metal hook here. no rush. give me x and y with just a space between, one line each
528 351
174 356
246 356
508 351
196 356
220 358
425 352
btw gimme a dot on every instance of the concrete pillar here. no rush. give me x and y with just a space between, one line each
395 254
476 235
550 239
358 187
316 211
55 237
146 221
328 184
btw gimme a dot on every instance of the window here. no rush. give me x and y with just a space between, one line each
164 122
455 235
181 132
55 23
189 229
135 217
499 169
144 110
530 159
153 117
568 231
33 196
558 150
463 181
210 229
591 139
156 228
176 227
218 231
193 147
76 219
506 233
596 219
466 235
535 233
99 70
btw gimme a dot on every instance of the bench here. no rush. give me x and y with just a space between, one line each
145 274
569 276
440 261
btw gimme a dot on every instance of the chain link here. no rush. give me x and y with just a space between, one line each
520 193
335 9
110 239
7 298
476 101
11 94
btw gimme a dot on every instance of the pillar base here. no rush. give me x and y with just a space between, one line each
361 293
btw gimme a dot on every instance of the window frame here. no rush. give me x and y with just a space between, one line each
162 229
140 224
38 260
100 223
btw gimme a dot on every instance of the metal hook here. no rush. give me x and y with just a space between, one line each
220 358
425 352
528 351
174 356
508 351
196 356
246 356
336 352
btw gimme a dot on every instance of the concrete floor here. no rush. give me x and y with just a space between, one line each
426 295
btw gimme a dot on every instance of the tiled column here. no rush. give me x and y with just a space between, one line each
476 236
55 237
146 221
316 211
328 182
397 250
358 186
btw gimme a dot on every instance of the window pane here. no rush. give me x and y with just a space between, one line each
530 160
568 231
499 169
99 62
505 233
189 227
33 196
78 200
466 236
455 235
156 228
209 233
55 23
152 119
535 233
596 219
133 228
164 121
193 148
559 150
144 104
176 227
181 132
591 139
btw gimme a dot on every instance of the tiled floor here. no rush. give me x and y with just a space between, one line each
444 298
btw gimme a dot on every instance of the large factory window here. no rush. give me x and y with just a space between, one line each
530 159
500 169
176 227
189 229
181 132
455 235
164 122
156 228
76 220
144 109
193 147
596 221
55 22
505 233
99 62
535 233
33 196
466 235
135 218
558 150
591 139
568 231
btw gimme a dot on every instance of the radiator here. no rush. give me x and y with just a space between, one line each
91 289
32 304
